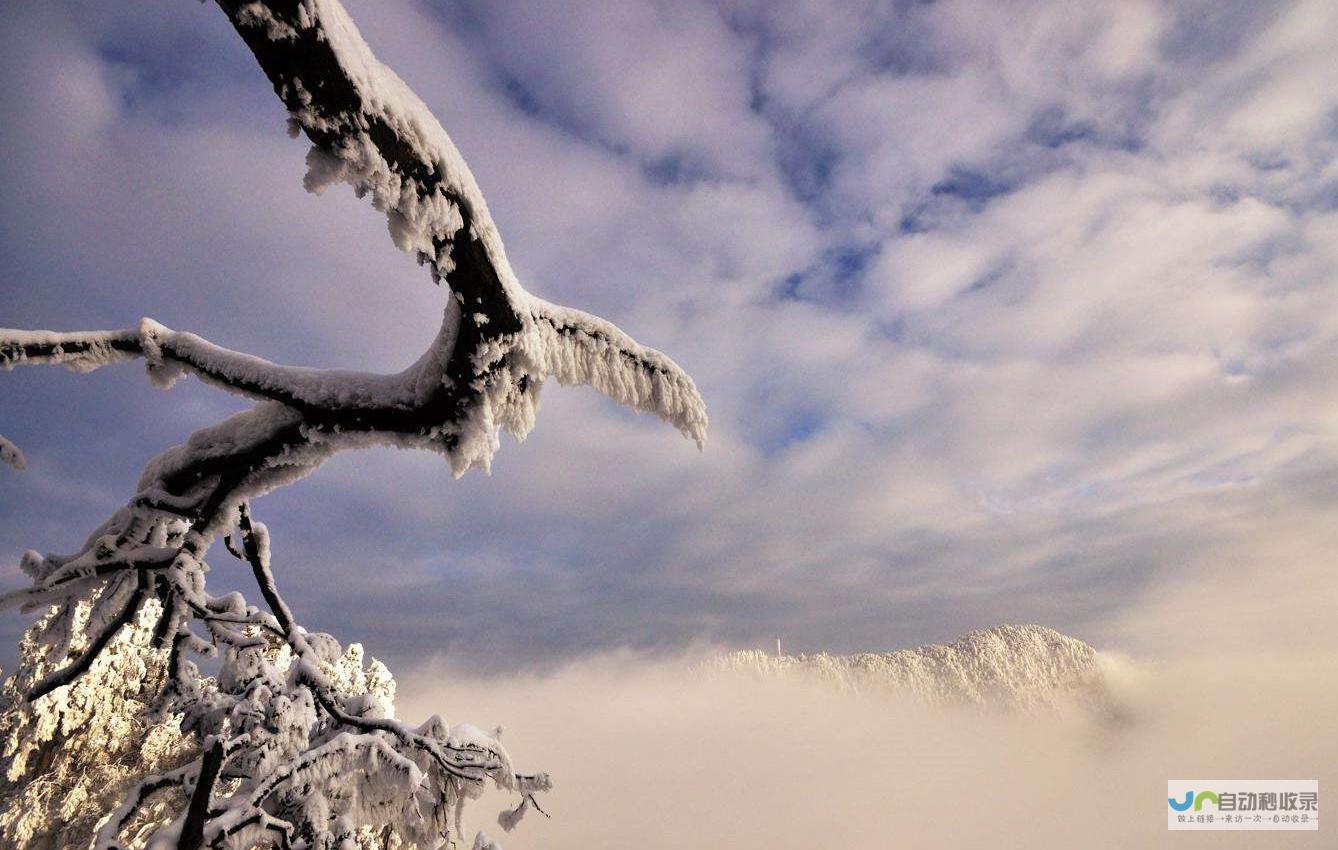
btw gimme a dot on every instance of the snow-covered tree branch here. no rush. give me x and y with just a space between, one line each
278 749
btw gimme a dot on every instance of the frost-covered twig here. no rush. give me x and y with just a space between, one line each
117 821
79 352
99 641
255 548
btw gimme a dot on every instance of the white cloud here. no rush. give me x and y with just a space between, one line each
930 409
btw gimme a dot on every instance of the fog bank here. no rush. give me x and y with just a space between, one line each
646 754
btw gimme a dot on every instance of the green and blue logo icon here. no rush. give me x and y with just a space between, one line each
1195 799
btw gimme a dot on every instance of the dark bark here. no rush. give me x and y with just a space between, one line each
192 830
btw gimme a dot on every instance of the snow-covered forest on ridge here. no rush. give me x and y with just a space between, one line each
1016 325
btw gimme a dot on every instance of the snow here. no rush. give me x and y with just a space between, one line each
483 842
175 353
10 454
98 351
88 741
577 348
414 218
257 14
1025 667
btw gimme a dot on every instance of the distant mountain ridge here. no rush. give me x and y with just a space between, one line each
1013 666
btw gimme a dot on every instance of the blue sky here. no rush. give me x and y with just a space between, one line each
1003 312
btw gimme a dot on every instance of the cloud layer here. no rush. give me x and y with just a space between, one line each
645 755
1022 313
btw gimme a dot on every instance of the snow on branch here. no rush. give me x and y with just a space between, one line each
278 748
78 352
367 128
10 454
